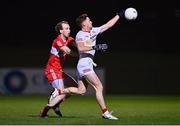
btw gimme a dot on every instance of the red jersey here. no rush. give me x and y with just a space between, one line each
55 61
54 66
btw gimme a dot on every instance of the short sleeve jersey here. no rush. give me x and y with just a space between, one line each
55 60
88 38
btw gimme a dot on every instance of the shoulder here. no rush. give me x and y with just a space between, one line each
70 39
96 29
80 37
57 41
58 38
80 33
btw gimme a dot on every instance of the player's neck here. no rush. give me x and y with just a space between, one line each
63 38
86 29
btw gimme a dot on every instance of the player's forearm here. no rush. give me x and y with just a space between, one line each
65 49
81 47
111 22
86 49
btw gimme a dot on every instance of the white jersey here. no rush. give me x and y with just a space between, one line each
88 38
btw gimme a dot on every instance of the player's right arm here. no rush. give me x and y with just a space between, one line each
81 47
87 45
80 42
63 48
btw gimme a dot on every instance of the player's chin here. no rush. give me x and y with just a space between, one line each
68 34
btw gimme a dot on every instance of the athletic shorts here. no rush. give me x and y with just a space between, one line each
52 74
85 66
59 78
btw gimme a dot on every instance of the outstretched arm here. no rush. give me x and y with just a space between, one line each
81 47
110 23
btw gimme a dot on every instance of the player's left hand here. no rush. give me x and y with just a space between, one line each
66 49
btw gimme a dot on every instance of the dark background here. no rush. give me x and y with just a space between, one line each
143 55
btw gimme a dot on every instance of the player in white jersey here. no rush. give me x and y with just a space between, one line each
86 44
88 39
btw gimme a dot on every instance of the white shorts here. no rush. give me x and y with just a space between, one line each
58 84
85 66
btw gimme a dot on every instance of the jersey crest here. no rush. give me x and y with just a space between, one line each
88 42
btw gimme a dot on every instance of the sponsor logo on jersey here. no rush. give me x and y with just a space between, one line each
88 42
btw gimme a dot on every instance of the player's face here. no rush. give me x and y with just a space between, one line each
88 23
65 30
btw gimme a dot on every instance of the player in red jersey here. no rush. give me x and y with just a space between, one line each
53 71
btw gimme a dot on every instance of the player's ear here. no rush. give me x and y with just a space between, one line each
82 25
61 31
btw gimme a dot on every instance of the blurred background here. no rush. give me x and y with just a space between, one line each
143 55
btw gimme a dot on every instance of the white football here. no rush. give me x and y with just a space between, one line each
131 13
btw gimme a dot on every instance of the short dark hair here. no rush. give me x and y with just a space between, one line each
59 26
80 19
